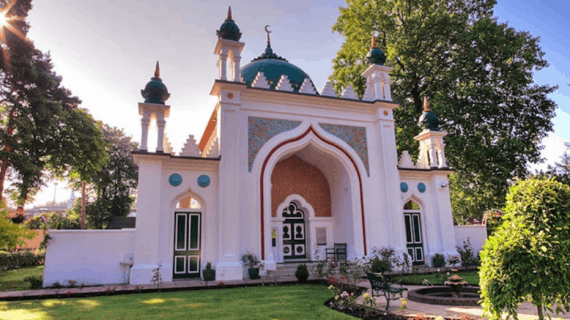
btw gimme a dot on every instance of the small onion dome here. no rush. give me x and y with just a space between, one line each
229 29
428 119
273 67
155 91
375 55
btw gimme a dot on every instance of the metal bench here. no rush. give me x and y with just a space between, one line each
338 253
381 287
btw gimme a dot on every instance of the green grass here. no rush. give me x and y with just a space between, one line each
13 280
439 278
267 302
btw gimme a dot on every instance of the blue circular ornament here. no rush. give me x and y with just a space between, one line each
175 179
203 181
404 187
421 187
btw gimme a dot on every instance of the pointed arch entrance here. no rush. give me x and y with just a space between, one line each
354 219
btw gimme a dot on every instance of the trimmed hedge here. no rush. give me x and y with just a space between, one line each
21 259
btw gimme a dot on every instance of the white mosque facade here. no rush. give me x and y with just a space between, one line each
283 171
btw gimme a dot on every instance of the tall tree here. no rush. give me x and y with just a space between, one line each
112 188
478 75
41 127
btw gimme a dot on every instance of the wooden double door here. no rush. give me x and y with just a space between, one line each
187 244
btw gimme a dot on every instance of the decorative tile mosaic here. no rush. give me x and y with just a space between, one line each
354 136
260 130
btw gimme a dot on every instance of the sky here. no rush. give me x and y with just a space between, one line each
106 50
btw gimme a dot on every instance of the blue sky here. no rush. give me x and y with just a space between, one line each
106 50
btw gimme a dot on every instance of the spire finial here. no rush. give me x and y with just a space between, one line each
426 104
373 42
230 13
157 71
268 32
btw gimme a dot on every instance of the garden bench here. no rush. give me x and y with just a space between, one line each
381 286
338 253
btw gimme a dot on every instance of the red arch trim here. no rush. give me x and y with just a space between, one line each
329 143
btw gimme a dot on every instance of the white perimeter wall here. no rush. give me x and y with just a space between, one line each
88 256
476 234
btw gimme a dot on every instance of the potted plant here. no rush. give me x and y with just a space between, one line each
302 273
209 274
438 260
251 261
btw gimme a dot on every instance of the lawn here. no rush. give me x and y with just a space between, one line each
267 302
472 277
12 280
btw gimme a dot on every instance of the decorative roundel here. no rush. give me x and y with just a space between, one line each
404 187
385 112
175 179
286 249
299 249
421 187
203 181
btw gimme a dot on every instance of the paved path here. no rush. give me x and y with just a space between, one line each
526 310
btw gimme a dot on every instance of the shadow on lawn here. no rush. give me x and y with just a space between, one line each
285 302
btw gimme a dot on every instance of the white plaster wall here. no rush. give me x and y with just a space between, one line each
206 196
88 256
476 234
437 222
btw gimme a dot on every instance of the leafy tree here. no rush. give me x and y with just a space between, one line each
112 188
11 234
41 127
478 75
527 257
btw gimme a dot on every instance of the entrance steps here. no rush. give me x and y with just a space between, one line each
287 269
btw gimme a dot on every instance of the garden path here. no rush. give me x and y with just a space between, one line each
526 310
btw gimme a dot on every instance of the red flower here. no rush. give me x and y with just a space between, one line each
331 280
342 278
68 293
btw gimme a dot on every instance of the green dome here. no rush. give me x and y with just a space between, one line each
376 56
229 30
273 67
155 91
429 121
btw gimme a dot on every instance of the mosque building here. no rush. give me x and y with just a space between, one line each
282 170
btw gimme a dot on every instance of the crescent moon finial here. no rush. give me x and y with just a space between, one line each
268 32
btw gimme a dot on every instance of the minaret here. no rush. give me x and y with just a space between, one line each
432 147
377 75
228 45
155 94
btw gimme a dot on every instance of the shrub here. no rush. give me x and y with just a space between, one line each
453 260
35 281
54 220
302 273
379 266
21 259
526 259
467 253
250 260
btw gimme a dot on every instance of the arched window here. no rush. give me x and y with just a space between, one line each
414 239
188 203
